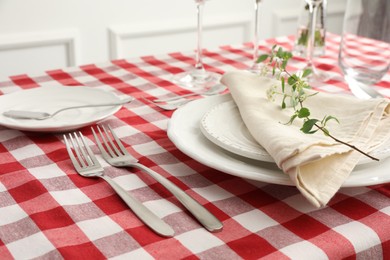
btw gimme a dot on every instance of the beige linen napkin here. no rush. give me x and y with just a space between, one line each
316 164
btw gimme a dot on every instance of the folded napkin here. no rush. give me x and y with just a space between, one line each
316 164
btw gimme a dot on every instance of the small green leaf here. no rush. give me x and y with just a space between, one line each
287 55
306 73
262 58
279 54
294 103
325 131
284 102
330 118
303 112
291 80
284 64
292 118
308 126
315 93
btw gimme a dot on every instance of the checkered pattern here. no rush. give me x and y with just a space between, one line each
48 211
359 53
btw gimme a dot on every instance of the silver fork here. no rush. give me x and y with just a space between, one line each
169 105
87 165
117 155
216 89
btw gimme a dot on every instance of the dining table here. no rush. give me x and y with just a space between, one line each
49 211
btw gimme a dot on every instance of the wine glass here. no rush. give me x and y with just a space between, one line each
198 78
256 67
302 30
313 10
364 55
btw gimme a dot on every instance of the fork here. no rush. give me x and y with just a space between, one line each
87 165
169 105
117 155
216 89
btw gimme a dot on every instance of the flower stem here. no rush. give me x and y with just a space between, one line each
347 144
278 61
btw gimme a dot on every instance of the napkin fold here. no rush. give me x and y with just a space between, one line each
316 164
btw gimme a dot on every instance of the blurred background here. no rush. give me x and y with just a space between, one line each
49 34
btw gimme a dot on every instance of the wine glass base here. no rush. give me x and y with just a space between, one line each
257 68
197 80
316 75
361 90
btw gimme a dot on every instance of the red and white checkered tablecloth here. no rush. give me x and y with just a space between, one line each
48 211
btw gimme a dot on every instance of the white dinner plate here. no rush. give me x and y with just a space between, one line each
184 131
51 98
223 126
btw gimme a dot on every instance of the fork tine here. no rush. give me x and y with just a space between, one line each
76 149
76 164
118 141
108 147
111 142
81 147
89 151
99 144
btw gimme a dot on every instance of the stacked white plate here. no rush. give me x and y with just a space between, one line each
211 131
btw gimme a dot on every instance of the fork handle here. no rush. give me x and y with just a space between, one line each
208 220
147 216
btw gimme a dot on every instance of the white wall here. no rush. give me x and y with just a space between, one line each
37 35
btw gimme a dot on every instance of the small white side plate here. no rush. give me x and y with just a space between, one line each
52 98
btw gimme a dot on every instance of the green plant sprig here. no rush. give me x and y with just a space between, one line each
278 60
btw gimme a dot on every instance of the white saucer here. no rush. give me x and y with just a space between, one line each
51 98
184 131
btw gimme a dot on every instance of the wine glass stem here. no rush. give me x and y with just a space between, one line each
198 54
256 32
313 8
